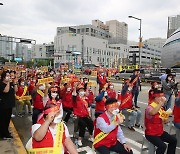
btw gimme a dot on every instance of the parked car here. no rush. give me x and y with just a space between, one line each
153 77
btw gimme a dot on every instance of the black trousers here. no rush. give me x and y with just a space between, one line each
158 141
68 114
5 117
84 122
119 148
35 115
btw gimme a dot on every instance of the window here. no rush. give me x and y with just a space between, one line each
87 29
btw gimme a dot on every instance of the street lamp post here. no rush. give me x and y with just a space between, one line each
140 38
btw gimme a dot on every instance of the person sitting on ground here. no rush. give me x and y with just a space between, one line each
155 115
107 133
50 133
128 107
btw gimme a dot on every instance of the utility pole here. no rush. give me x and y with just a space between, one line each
82 55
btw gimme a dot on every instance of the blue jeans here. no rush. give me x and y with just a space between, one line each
135 94
135 117
177 125
167 104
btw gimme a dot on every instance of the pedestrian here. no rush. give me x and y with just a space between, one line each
155 116
81 111
108 134
163 77
135 81
167 86
101 79
7 102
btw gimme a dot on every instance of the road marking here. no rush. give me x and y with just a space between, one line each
87 149
16 139
142 103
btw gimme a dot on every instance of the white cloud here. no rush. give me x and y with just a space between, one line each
38 19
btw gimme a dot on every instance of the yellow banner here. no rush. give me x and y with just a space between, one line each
164 115
94 73
45 80
44 68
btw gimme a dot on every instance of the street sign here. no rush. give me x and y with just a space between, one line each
18 59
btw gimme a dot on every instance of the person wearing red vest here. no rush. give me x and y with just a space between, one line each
154 132
90 96
110 91
176 111
22 91
67 101
100 101
128 108
150 93
40 98
44 132
101 79
81 111
109 123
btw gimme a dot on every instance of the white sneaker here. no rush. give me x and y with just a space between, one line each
79 143
91 139
12 115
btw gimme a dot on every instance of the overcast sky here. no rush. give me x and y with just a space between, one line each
38 19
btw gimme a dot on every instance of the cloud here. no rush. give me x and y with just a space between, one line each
38 19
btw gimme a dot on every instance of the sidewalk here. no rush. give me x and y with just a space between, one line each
13 146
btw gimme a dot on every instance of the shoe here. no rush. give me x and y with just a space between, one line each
79 143
138 126
7 137
131 128
30 113
12 115
137 107
91 139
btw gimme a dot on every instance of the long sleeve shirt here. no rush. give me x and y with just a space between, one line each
106 128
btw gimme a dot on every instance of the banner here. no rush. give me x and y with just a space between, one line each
10 66
45 80
44 68
20 68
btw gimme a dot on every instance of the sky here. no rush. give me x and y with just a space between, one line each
38 19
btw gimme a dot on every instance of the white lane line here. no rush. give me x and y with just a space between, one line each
87 149
136 129
142 103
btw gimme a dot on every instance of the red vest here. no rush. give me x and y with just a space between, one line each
102 80
110 139
128 104
47 141
176 113
67 99
20 91
154 125
111 93
119 96
31 86
90 97
100 105
80 107
38 102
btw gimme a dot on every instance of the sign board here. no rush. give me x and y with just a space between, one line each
20 68
10 66
127 67
18 59
44 68
45 80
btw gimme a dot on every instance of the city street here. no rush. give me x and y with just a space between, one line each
135 139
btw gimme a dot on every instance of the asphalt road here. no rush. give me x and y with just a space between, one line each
134 139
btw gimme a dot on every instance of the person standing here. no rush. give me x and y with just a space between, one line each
101 79
135 82
7 102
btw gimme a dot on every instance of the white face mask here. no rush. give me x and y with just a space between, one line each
81 93
169 78
42 87
156 86
54 95
68 89
58 119
105 93
115 112
111 87
129 89
85 81
102 74
22 83
34 81
7 78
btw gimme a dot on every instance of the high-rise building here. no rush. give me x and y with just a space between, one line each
173 24
158 42
118 30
